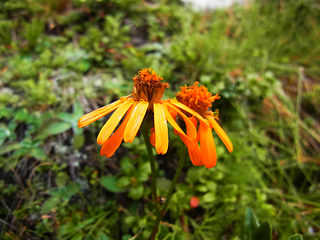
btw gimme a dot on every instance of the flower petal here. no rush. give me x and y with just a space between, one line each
161 128
195 156
152 137
113 143
186 139
189 110
208 148
221 133
135 121
193 147
191 130
194 152
99 113
113 121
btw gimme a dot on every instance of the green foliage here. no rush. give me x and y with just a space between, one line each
32 32
254 230
61 59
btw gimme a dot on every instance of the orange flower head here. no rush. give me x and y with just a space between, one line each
197 98
200 100
148 86
129 112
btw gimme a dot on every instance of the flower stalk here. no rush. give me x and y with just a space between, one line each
152 161
172 187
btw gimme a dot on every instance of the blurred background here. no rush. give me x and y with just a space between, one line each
63 58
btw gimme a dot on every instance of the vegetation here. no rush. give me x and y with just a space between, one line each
61 59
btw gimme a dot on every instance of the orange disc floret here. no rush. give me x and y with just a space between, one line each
147 75
197 98
148 86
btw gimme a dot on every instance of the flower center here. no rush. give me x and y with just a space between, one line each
198 98
148 86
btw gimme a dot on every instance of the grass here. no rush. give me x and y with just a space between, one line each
61 59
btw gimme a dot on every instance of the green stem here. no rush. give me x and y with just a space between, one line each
145 134
172 187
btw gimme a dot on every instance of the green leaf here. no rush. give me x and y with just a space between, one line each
296 237
251 224
57 128
9 148
110 183
61 179
38 153
163 184
209 197
77 111
263 232
4 133
201 188
78 140
123 182
102 236
136 192
50 204
66 117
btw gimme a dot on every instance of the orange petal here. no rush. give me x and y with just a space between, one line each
185 139
135 121
195 156
191 130
152 137
208 148
113 143
161 128
189 110
171 120
221 133
193 150
113 121
99 113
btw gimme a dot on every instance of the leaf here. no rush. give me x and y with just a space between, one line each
251 224
77 111
4 133
78 140
209 197
123 182
296 237
66 117
263 232
163 184
136 192
38 153
50 204
110 183
57 128
9 148
102 236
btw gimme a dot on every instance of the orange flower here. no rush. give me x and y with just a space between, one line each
144 103
200 100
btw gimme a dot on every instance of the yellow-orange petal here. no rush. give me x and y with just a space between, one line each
189 110
221 133
191 130
170 118
113 143
99 113
161 128
152 137
113 121
135 121
186 140
195 156
207 146
193 149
